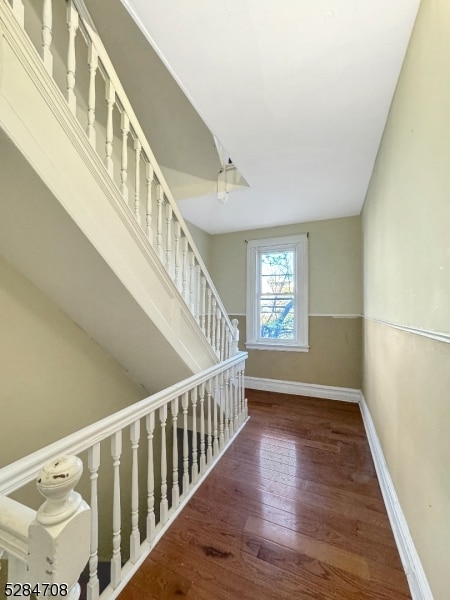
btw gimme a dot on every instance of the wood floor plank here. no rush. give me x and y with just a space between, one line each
293 510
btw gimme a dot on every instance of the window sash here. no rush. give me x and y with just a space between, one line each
257 336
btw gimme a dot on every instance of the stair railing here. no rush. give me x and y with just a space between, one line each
115 134
137 487
47 549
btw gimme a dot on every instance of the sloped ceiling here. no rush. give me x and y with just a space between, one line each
297 92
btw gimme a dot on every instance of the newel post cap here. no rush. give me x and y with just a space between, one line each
56 483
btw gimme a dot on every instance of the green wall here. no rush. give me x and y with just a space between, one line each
406 220
335 301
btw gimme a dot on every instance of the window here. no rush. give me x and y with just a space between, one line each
277 293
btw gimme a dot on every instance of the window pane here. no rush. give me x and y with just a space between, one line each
277 272
277 295
277 316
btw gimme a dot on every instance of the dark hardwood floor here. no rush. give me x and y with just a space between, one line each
292 511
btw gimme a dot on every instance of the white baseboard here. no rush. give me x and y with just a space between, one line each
417 580
419 587
303 389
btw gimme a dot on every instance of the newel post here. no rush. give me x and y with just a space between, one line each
235 343
59 536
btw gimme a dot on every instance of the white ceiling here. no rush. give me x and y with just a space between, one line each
297 92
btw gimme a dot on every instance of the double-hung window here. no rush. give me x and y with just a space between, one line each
277 293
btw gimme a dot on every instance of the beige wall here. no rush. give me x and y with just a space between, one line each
51 371
406 282
335 291
203 241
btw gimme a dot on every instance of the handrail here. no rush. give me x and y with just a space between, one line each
22 471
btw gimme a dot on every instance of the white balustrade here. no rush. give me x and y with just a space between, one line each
197 288
213 409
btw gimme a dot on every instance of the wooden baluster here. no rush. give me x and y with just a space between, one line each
221 412
223 339
242 392
229 430
219 331
235 342
135 538
227 345
72 26
149 202
93 66
159 203
125 126
202 429
137 184
213 323
191 282
197 293
110 96
235 399
164 505
184 250
216 405
47 19
209 451
116 560
93 586
208 320
194 436
175 486
177 255
169 212
239 396
185 406
19 11
203 309
151 522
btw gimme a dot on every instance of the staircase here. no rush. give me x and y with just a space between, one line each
88 180
89 219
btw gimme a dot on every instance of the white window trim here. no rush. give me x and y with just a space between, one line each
298 243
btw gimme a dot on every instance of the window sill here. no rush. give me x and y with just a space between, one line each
279 347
